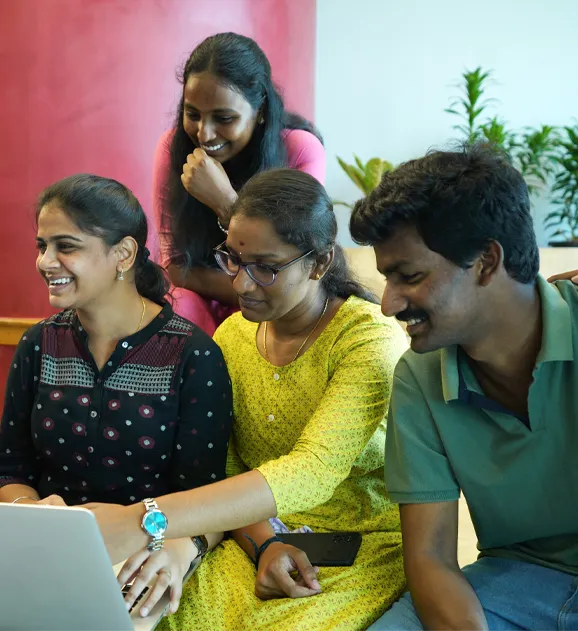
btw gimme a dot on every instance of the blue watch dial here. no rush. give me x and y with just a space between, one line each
155 522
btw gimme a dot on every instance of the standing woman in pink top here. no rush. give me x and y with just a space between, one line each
230 124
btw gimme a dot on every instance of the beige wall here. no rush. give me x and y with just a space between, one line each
552 261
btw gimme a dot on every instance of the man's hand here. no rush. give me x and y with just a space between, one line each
573 276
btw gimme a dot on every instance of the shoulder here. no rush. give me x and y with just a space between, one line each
234 333
162 155
33 335
300 143
196 340
422 371
360 323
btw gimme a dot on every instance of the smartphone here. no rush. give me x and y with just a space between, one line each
326 548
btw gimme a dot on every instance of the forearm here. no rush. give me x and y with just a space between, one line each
259 533
214 539
209 283
223 207
10 492
222 506
443 597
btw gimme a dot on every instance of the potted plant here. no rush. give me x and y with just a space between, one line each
365 176
532 151
564 219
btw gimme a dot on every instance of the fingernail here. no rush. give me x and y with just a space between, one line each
316 585
144 612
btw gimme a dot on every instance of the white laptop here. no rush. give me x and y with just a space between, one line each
56 575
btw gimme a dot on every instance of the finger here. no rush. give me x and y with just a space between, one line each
176 593
573 276
200 155
288 585
56 500
145 576
132 565
139 585
306 570
160 587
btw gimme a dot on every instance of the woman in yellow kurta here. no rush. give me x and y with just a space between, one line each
311 361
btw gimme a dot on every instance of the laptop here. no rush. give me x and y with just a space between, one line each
56 575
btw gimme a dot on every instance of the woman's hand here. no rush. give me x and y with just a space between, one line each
166 568
120 528
276 565
573 276
52 500
205 179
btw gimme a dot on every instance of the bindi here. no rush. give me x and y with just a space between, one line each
241 243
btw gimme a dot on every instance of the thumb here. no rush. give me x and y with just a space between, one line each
306 570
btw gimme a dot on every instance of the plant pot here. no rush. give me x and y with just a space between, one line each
563 244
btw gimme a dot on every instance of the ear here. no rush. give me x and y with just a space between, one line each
126 251
489 263
322 265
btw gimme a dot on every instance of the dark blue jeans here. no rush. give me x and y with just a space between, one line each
514 595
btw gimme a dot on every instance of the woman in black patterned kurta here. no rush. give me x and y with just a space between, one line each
116 398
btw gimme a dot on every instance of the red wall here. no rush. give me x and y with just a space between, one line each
89 85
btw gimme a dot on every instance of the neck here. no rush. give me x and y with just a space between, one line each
300 319
117 317
510 341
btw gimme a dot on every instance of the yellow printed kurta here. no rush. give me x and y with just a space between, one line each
315 429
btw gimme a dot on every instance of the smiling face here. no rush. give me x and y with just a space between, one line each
255 240
217 118
78 268
439 301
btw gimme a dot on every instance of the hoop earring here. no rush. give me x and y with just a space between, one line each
120 275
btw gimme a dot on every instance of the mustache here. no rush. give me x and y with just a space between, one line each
410 314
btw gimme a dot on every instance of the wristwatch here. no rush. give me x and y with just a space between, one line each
202 545
154 523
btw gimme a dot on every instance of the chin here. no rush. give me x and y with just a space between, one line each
421 344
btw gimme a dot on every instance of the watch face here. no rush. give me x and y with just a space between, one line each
155 522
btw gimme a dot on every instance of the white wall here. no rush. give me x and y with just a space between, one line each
386 70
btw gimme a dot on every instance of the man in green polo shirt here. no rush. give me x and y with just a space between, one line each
485 402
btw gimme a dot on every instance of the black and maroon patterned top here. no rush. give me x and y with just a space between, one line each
155 420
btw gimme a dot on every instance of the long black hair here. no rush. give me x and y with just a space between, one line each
302 215
239 63
107 209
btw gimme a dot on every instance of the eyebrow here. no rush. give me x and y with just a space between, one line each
60 236
268 255
218 110
393 268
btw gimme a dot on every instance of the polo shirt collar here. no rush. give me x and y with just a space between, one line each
556 340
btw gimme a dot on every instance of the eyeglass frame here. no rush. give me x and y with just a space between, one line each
274 270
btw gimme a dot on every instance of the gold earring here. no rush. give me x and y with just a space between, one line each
317 276
120 275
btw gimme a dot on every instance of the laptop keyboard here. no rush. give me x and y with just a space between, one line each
126 588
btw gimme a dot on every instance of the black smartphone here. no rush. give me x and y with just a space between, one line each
326 548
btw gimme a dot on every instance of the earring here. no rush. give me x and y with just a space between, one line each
120 275
261 120
317 276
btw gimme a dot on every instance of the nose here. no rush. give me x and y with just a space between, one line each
47 260
206 131
243 283
392 302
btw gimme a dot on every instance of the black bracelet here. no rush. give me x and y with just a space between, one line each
258 550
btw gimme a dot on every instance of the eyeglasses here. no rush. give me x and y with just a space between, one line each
261 274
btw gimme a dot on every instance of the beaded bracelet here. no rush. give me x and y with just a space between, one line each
221 227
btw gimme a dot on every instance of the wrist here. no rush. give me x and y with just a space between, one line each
224 210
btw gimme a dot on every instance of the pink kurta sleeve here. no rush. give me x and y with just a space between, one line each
305 153
161 171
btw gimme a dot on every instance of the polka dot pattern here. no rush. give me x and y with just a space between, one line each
117 429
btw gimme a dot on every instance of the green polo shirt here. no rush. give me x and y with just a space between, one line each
519 476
